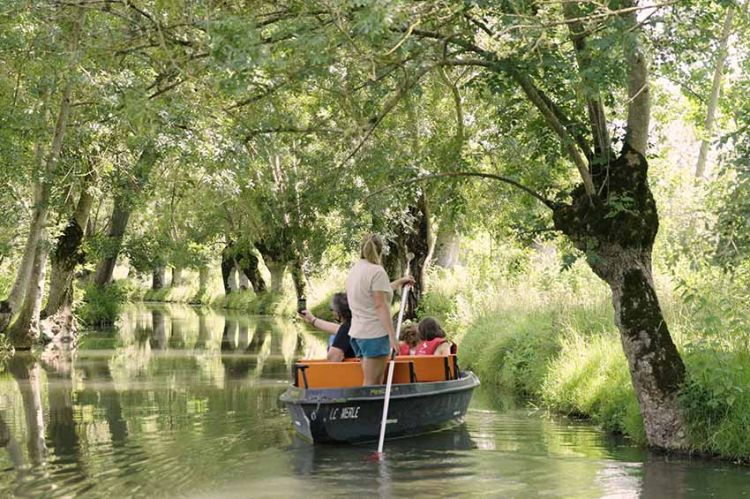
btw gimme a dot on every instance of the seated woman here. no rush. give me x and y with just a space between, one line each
432 339
409 340
341 347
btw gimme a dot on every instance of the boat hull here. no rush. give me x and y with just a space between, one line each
353 415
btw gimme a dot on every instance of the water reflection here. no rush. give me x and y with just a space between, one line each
184 401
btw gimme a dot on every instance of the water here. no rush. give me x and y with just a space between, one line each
181 402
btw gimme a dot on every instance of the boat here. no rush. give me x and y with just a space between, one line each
328 404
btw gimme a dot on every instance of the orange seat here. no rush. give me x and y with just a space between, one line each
314 373
324 374
429 368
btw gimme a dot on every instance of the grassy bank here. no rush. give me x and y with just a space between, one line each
560 350
100 305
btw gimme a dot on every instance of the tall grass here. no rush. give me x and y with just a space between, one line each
549 337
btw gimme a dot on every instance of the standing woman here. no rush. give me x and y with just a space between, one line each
369 293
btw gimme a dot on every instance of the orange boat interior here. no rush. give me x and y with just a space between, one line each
317 374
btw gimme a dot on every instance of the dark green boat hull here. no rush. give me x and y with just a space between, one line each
353 415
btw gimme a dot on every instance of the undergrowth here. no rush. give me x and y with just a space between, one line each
101 306
546 344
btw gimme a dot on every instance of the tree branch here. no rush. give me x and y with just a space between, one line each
554 122
639 95
597 117
289 129
552 114
547 202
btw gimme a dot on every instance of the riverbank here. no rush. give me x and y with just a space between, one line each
563 354
101 306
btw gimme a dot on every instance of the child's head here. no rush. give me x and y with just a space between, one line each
410 335
429 329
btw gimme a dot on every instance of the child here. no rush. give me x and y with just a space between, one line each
432 339
409 340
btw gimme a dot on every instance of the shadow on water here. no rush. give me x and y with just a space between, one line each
184 401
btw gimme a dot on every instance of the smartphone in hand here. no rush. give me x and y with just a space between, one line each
301 305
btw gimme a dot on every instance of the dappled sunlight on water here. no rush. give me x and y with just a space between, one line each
184 402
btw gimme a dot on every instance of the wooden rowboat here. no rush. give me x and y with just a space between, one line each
328 403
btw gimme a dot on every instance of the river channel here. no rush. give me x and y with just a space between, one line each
183 402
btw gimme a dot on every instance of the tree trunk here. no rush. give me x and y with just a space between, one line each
250 267
202 280
447 246
618 244
394 261
158 277
68 252
23 274
27 373
43 187
277 269
298 278
117 225
177 276
25 330
10 306
417 242
242 279
227 268
123 207
713 101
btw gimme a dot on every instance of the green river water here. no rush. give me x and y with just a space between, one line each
183 402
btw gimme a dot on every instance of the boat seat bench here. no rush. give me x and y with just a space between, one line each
314 373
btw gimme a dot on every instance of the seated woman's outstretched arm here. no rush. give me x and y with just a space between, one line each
328 327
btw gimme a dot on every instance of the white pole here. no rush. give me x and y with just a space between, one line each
391 365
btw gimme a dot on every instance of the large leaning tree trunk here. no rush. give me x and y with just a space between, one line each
68 254
619 246
613 220
123 207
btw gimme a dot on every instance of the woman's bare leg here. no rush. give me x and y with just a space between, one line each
373 369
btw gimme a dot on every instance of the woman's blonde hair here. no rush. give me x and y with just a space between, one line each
372 248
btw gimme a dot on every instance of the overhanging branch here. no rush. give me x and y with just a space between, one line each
547 202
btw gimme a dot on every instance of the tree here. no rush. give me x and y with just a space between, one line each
569 65
24 299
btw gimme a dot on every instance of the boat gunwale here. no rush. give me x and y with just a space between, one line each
316 396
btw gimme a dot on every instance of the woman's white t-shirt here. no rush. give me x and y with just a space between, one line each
365 278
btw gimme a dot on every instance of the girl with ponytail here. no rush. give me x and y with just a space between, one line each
369 292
